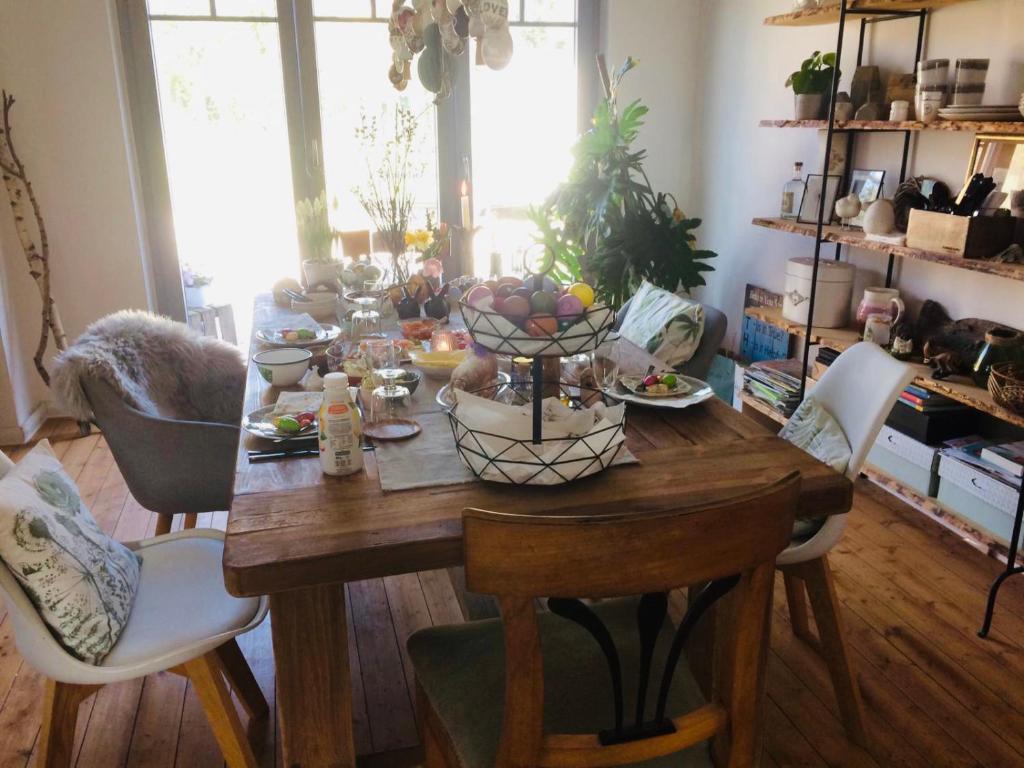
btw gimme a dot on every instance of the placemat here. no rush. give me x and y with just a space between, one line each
430 459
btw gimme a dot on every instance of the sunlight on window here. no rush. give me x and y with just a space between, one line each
352 65
226 139
523 128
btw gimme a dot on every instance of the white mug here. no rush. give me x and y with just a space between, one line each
878 329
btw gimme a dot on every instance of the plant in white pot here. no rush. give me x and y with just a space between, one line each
195 284
317 237
810 84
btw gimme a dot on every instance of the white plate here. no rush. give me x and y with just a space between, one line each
632 383
258 423
700 392
1001 117
324 335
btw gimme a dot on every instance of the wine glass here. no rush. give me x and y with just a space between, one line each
384 359
604 361
366 323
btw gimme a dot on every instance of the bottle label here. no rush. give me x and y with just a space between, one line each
787 202
337 409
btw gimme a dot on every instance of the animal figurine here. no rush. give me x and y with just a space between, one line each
950 346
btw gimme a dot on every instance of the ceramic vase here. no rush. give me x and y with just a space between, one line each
880 301
1002 345
319 272
880 218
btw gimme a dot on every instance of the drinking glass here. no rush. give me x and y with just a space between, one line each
604 361
366 323
384 359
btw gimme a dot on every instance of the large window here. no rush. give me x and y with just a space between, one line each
251 105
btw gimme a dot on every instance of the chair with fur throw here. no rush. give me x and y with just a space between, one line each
169 403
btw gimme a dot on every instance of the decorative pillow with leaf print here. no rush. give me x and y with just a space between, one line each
666 325
82 582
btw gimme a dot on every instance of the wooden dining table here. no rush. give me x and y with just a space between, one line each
299 536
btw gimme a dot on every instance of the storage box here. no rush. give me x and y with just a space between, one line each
975 496
832 299
933 428
913 464
971 237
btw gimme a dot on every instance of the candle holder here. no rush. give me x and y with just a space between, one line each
443 341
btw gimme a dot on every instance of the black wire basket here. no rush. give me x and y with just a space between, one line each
496 333
542 460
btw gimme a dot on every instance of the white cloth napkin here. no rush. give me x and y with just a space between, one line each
275 321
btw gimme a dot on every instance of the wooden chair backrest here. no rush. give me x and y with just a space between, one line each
521 557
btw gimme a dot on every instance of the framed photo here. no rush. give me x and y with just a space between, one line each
812 198
867 185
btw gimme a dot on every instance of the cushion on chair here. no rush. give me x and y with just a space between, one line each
814 430
82 582
666 325
461 669
182 600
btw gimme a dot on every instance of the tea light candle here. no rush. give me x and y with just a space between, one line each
442 341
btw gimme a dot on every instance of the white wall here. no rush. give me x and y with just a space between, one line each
743 167
664 36
62 62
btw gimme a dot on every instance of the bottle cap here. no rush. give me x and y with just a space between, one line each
336 381
798 166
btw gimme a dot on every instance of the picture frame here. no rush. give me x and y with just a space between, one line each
867 185
1002 158
812 198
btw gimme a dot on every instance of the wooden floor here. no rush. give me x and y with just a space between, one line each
936 694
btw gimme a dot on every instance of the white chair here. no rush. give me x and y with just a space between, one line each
183 621
858 390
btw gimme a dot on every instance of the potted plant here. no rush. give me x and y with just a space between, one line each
810 84
317 237
195 284
607 224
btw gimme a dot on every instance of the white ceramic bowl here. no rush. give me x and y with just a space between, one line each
283 367
324 306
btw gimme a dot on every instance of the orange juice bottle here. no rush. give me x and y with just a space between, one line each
339 428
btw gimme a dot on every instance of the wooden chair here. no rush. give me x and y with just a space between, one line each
546 689
183 621
858 390
355 243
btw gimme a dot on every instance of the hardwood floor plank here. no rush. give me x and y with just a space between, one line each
388 704
785 743
409 613
108 736
360 720
442 602
155 737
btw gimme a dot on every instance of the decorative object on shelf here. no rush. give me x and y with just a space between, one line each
932 77
847 209
880 218
866 87
928 106
805 5
811 202
869 112
810 83
992 157
901 87
899 111
1006 385
606 222
969 237
995 113
832 298
902 340
880 300
969 81
195 284
762 340
867 186
20 191
950 346
878 328
1002 345
844 107
391 168
919 193
793 193
1017 203
317 235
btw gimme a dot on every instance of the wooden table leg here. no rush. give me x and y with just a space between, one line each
314 686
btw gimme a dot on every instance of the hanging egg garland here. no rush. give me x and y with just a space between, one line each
430 28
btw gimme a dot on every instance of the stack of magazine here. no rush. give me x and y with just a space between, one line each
776 382
1002 462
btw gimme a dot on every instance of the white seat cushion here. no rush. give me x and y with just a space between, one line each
181 601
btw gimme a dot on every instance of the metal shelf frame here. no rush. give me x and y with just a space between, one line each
867 18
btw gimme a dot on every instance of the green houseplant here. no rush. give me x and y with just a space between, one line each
607 224
317 237
810 83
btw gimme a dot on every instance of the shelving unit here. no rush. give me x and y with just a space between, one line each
822 232
830 12
884 126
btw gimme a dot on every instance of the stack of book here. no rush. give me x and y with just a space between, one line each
926 401
775 382
1002 462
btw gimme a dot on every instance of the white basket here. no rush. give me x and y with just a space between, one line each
497 334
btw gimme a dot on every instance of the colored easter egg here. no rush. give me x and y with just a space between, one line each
516 308
512 280
543 303
541 325
569 305
525 292
583 292
480 297
504 290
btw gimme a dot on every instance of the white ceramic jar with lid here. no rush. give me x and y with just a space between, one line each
832 299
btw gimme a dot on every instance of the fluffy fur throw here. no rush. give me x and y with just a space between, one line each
157 366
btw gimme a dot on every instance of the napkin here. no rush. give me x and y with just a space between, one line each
587 433
275 321
297 402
